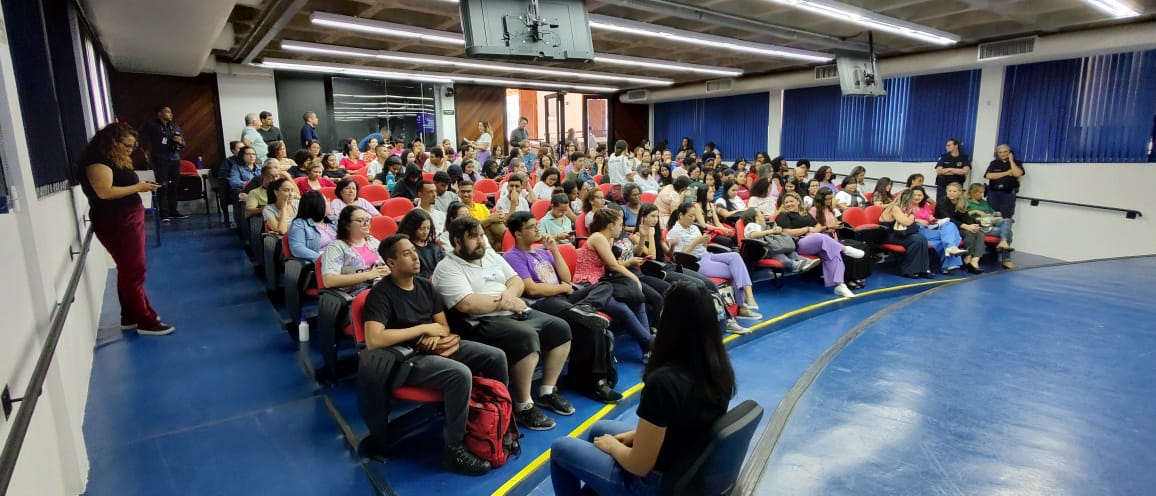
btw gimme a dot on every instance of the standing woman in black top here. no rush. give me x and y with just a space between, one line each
953 167
117 214
1003 181
689 382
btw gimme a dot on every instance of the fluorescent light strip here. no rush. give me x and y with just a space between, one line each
301 46
425 77
1114 8
401 30
674 34
866 18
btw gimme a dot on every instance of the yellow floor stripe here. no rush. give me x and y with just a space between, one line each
604 411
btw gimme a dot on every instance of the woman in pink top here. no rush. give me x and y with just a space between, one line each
314 181
943 236
596 259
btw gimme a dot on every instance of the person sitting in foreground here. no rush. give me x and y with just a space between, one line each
283 208
418 225
689 382
478 283
404 309
547 279
351 263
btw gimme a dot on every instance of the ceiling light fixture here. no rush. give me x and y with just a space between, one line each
701 39
402 30
300 46
425 77
866 18
1114 8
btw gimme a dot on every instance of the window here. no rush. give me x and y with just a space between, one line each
405 108
910 124
1088 110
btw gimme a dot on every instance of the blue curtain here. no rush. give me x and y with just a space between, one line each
737 124
910 124
1093 109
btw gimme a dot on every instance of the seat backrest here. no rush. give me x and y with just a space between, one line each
374 193
606 188
649 197
716 468
189 169
855 217
486 186
580 226
507 241
598 179
480 197
355 316
873 212
539 208
361 181
569 255
330 194
396 207
739 234
869 195
427 176
317 272
285 252
382 226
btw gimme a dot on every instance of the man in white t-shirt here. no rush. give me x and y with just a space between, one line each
436 162
426 200
619 163
480 285
516 198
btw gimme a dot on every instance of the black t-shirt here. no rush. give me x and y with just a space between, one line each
674 400
949 162
946 210
120 177
430 255
397 308
794 220
1009 183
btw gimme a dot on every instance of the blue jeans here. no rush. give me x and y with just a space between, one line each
573 461
947 235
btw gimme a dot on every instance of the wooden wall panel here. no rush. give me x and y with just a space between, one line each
528 102
481 103
628 121
195 105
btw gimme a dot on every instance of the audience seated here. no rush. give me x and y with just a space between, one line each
418 226
992 222
954 206
546 278
332 169
689 382
944 236
494 223
279 213
683 235
755 227
254 192
549 179
729 206
707 219
351 262
898 221
594 201
314 180
849 195
244 170
427 202
409 185
389 173
312 230
882 194
404 309
480 285
351 161
632 201
813 238
516 198
556 224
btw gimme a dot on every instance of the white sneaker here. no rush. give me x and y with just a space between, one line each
952 251
747 313
807 264
844 291
733 327
853 252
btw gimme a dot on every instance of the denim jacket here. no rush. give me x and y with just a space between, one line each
306 239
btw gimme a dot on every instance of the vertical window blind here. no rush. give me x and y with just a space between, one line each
736 124
1087 110
910 124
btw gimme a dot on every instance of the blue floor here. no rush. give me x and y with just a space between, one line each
225 405
1035 383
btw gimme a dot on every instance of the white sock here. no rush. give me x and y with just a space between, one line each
543 390
521 407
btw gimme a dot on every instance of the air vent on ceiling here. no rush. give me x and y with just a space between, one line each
636 95
719 85
1007 48
823 72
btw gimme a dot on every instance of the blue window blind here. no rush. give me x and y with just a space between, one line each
1093 109
910 124
737 124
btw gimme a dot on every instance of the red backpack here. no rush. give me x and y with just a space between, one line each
491 433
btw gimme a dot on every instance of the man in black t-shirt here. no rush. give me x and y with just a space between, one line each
404 310
953 167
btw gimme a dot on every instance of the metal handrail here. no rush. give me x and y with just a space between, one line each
19 430
1128 212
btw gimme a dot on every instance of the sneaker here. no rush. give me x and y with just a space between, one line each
952 251
807 264
751 304
844 291
747 313
533 419
556 403
124 325
161 329
605 394
585 316
456 458
734 327
853 252
950 270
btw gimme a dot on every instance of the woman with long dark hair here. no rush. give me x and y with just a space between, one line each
882 194
311 231
418 225
811 239
898 222
117 212
689 382
683 235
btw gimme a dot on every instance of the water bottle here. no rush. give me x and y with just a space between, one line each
303 332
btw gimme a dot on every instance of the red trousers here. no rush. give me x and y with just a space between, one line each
121 231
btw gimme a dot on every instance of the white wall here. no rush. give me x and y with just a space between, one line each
34 257
243 90
447 124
